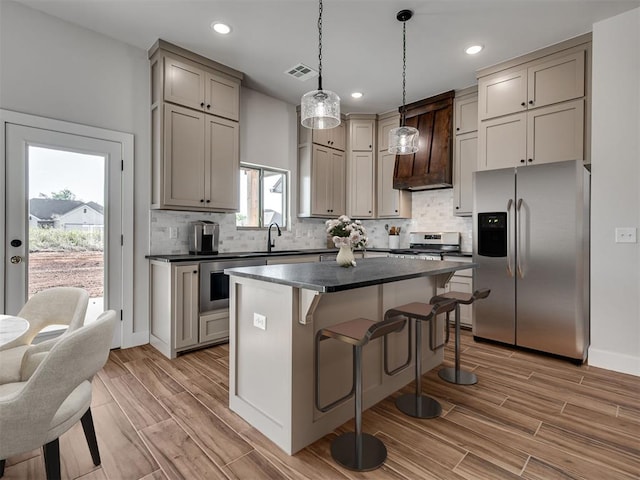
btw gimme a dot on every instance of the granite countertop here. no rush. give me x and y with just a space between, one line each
235 255
328 277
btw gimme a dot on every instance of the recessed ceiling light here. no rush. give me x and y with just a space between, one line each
473 49
221 28
356 95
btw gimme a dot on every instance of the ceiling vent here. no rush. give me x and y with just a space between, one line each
301 72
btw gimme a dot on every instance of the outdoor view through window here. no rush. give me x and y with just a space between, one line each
263 197
66 222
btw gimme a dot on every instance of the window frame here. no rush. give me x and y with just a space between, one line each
285 203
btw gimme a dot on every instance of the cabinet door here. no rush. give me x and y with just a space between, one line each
361 184
466 159
361 135
502 93
502 142
222 166
338 137
388 197
214 326
555 133
466 114
321 178
222 96
337 184
384 127
556 80
183 169
330 137
185 305
183 83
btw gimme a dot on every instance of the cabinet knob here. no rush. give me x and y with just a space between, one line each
202 199
202 104
396 211
370 146
457 208
530 102
208 201
530 160
458 128
523 104
369 211
195 271
208 106
522 160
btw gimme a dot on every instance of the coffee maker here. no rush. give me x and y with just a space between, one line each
203 237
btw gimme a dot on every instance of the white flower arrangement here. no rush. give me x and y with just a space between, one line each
347 232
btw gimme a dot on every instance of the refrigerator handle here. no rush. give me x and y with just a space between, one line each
519 237
509 268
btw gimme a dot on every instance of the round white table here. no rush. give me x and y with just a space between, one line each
11 328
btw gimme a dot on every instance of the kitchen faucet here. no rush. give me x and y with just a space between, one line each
272 243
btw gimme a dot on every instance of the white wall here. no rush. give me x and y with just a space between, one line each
615 267
55 69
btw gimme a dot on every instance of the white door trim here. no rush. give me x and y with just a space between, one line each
126 141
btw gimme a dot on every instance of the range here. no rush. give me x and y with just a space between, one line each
429 245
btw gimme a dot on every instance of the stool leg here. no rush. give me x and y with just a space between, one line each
416 404
356 450
456 375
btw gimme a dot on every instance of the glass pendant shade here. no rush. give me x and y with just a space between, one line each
320 109
403 140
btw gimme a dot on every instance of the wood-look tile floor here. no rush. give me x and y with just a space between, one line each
530 416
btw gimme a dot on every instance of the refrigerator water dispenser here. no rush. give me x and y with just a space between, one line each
492 234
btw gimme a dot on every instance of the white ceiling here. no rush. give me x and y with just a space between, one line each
362 40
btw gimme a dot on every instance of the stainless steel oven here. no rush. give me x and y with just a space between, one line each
214 284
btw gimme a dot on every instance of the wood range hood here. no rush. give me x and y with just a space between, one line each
431 167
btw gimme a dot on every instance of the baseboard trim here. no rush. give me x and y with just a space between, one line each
617 362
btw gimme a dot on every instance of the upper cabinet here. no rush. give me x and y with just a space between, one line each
555 79
391 203
465 149
189 84
321 172
535 109
194 131
431 166
331 137
361 166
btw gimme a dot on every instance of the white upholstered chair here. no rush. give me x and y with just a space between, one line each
53 393
54 306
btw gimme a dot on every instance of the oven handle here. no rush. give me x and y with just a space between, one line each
509 267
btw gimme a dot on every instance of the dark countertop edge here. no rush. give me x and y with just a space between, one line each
340 288
239 255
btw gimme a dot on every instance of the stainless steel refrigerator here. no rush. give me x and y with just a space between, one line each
531 244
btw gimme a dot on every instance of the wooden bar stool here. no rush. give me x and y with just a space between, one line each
455 374
416 404
355 450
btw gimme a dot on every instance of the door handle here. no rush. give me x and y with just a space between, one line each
509 269
519 237
16 259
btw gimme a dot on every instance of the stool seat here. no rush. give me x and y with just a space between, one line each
456 375
360 331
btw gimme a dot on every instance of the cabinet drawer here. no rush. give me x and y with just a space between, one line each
214 326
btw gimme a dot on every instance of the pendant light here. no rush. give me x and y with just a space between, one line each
320 109
403 140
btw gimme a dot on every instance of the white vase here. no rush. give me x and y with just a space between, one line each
345 257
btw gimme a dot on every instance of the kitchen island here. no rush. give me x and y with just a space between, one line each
275 312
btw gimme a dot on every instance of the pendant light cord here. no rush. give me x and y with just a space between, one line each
404 72
320 47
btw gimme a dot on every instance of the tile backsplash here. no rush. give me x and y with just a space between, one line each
432 211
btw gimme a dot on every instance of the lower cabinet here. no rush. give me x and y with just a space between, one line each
462 281
176 324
